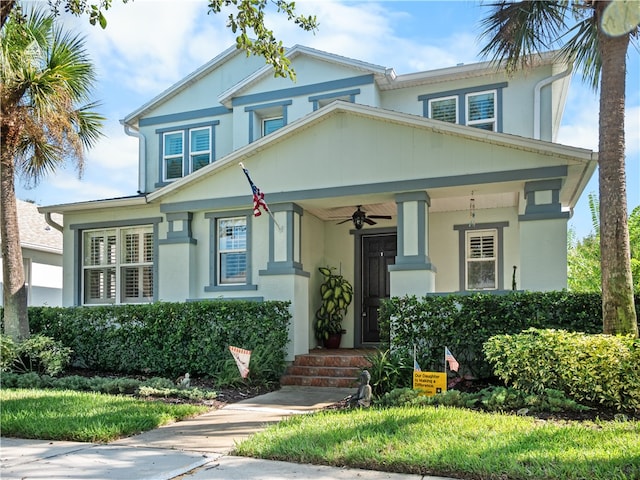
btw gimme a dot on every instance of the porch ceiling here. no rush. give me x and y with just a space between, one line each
343 208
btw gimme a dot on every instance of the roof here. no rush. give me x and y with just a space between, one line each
35 233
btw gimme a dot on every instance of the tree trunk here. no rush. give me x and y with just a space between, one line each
5 9
16 321
618 310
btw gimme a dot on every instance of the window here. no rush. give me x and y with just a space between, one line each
270 125
185 149
445 109
172 155
481 110
118 265
232 251
481 260
200 147
479 106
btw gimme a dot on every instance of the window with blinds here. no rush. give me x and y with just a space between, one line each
481 260
444 109
232 251
173 155
118 265
200 147
481 110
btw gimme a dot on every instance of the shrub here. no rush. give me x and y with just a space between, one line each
8 352
388 371
492 399
38 354
597 369
171 339
464 322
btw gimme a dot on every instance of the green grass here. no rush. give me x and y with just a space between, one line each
82 416
454 442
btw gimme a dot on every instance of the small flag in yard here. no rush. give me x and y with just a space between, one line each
416 367
453 363
242 358
258 196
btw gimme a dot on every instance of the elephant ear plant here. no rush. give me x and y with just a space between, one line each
336 293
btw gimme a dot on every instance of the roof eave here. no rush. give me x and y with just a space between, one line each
95 204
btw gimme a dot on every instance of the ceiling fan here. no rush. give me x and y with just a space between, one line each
359 218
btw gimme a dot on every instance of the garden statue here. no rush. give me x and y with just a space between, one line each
363 396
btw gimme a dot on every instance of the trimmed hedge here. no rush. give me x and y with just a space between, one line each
464 322
171 339
598 369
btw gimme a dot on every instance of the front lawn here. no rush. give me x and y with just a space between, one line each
83 416
454 442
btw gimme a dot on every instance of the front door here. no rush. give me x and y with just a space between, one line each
378 252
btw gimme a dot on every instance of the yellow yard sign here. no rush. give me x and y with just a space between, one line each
429 383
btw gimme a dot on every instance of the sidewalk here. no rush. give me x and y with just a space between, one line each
194 449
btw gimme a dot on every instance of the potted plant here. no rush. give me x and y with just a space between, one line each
336 293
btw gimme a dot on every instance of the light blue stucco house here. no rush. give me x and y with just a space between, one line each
456 170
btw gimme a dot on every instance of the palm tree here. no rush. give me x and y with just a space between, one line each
515 32
46 78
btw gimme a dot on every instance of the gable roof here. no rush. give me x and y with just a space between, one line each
585 159
300 50
183 84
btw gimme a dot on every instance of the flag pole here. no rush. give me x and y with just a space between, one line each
445 360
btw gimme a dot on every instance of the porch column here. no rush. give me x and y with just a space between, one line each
176 279
413 272
543 238
284 278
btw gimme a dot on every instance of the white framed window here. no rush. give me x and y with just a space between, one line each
172 155
232 251
444 109
117 265
481 110
481 261
199 147
270 125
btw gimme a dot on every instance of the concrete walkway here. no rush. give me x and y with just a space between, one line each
194 449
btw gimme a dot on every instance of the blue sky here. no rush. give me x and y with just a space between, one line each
150 44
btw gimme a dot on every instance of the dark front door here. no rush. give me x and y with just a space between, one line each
378 252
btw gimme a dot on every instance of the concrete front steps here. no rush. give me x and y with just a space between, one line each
326 368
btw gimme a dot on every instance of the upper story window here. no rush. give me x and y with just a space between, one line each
270 125
185 149
479 107
481 110
200 147
173 155
444 109
117 265
266 118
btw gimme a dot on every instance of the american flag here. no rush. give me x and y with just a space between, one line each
453 363
258 196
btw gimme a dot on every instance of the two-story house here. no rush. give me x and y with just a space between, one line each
439 181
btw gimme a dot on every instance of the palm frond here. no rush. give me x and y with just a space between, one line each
47 81
517 30
582 45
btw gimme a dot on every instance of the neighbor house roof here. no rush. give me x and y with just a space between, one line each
35 233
